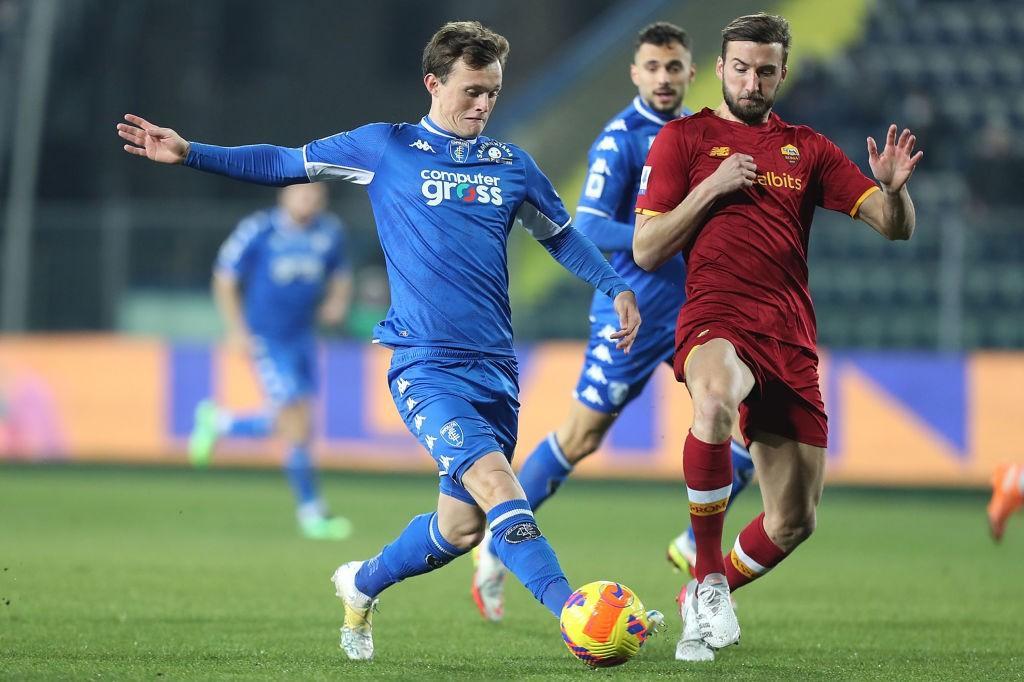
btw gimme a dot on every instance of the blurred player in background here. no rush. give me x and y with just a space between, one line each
735 190
1007 497
278 274
662 70
445 199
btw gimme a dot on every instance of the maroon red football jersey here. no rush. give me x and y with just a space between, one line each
747 264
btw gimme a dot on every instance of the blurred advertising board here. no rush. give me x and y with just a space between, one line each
895 418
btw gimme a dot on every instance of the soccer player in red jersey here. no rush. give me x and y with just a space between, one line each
735 190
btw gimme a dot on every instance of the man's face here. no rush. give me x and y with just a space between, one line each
751 74
303 202
464 102
662 74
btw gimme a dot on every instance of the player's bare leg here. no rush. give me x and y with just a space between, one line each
718 381
792 476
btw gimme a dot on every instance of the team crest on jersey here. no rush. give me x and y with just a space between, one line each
495 151
617 392
791 154
459 150
452 433
719 152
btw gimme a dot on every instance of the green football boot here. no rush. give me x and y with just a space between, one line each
204 434
325 527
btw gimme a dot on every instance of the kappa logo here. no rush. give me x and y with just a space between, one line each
617 392
452 433
617 124
446 462
430 443
591 395
791 154
410 403
403 386
607 144
595 373
418 421
719 152
606 332
602 353
423 146
522 532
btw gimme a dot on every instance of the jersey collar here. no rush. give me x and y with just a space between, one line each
650 114
432 127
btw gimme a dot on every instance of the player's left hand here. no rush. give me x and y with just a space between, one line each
629 321
894 166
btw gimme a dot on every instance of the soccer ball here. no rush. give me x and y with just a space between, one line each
604 624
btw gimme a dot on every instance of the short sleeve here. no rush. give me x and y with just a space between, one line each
843 186
664 180
610 176
542 214
236 253
352 156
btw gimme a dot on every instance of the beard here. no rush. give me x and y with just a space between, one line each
753 110
675 106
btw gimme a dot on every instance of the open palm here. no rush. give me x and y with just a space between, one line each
162 145
894 166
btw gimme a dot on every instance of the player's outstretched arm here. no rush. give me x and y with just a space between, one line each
162 145
659 237
891 211
262 164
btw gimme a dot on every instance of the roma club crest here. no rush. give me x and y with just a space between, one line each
791 154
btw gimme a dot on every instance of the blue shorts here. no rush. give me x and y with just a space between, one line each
286 369
459 405
610 379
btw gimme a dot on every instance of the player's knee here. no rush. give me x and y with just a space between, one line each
790 530
492 485
714 412
465 533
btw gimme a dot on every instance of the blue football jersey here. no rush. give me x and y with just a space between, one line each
283 269
444 208
615 162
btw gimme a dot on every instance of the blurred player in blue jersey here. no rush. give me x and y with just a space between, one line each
662 70
445 199
278 273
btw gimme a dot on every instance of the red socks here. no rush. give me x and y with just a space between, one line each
707 468
753 555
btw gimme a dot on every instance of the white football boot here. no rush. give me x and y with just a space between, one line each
691 646
488 581
715 615
357 632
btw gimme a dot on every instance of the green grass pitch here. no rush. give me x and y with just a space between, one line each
164 573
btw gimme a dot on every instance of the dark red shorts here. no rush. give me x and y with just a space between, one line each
786 399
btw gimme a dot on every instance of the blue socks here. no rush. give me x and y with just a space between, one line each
517 542
419 549
248 426
298 467
544 470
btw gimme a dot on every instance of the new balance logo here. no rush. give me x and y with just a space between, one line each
423 146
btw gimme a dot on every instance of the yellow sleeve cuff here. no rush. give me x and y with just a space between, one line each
868 192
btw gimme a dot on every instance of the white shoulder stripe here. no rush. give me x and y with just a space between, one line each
537 224
319 171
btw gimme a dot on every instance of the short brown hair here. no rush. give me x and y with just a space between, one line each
758 28
469 40
662 34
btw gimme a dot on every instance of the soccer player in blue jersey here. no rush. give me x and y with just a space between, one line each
662 70
445 199
278 273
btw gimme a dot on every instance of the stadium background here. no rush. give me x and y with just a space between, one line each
109 334
117 561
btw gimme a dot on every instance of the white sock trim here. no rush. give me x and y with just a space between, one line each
509 514
747 561
709 496
557 450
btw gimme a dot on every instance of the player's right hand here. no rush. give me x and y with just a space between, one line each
162 145
736 172
629 320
